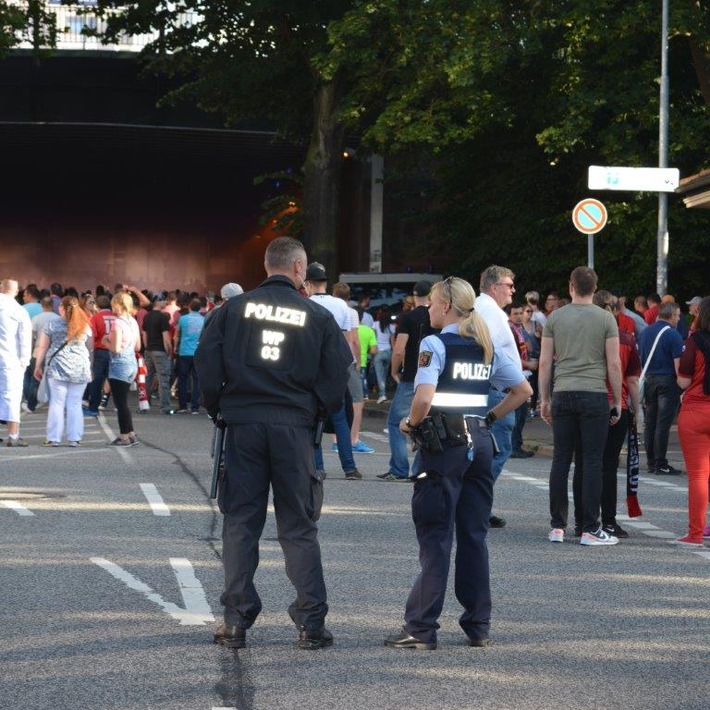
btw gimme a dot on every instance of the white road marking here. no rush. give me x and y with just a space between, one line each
155 500
19 509
196 612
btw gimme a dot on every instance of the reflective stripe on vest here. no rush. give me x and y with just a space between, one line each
459 400
463 385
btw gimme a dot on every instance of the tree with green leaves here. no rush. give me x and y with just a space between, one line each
30 21
513 101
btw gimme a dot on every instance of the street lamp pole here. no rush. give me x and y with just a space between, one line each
662 237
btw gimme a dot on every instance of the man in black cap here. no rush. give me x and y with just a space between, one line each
413 326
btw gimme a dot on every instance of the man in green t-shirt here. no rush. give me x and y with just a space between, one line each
368 346
583 341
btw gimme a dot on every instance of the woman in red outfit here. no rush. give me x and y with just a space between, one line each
694 424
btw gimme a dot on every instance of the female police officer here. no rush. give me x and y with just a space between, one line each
453 482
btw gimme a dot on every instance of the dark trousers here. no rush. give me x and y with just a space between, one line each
158 363
616 437
662 399
457 494
100 373
188 382
119 390
257 456
521 416
578 417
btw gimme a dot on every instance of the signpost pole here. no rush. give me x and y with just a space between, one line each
662 236
590 251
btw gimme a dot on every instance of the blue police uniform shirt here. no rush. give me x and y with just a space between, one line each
504 371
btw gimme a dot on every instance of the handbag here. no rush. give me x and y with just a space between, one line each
43 387
648 361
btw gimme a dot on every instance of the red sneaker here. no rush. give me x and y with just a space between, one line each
688 541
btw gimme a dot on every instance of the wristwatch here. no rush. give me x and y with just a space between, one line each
490 418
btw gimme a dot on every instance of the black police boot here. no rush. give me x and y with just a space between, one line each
311 640
231 636
405 640
479 643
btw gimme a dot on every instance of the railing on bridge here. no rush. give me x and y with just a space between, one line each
74 20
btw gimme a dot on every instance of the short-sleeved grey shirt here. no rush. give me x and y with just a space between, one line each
579 332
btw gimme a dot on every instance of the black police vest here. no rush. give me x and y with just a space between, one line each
463 385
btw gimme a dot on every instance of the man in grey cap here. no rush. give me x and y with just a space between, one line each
412 327
228 291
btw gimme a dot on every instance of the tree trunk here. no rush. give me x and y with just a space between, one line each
322 172
701 64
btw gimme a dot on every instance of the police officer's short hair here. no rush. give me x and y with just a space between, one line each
282 252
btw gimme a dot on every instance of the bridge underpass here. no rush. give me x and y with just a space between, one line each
100 186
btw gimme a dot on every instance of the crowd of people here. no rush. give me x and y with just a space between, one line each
75 351
466 373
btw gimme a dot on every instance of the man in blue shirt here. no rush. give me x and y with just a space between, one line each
189 328
661 394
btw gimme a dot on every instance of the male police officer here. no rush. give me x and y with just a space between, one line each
268 361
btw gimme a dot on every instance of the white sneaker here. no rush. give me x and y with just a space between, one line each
598 537
381 399
556 535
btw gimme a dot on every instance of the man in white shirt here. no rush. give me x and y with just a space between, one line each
15 353
316 283
496 291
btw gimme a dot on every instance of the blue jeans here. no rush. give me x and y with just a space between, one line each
661 398
382 361
401 402
502 430
342 436
579 419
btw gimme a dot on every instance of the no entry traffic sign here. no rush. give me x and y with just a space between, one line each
589 216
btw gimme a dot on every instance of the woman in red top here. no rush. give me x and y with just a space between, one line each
694 424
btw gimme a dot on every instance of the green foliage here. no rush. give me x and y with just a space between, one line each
31 21
283 209
516 100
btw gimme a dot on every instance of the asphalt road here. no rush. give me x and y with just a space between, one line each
109 600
